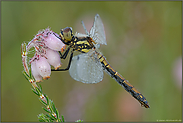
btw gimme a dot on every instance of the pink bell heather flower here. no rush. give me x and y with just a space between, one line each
47 38
35 72
53 58
46 44
43 67
54 43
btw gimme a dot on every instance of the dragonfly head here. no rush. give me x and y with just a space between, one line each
66 34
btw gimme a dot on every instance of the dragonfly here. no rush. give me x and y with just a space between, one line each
88 66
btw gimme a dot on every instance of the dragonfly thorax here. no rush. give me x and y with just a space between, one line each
82 44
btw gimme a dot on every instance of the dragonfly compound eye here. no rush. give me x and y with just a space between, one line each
67 33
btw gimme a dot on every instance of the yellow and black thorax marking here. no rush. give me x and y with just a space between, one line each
82 44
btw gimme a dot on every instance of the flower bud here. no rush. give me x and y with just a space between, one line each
53 58
43 67
53 42
34 71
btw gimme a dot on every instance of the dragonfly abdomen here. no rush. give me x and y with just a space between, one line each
122 81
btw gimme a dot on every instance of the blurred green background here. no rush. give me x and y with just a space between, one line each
144 45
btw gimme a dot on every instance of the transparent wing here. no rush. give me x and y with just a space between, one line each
73 68
86 69
97 31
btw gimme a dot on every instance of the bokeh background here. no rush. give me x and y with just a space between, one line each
144 42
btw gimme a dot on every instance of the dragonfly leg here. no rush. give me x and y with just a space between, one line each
65 54
68 64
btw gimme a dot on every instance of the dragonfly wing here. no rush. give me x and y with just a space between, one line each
87 69
73 68
97 32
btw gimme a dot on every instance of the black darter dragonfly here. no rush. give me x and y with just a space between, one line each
88 66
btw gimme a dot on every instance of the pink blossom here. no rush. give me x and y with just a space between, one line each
54 43
53 58
35 72
43 67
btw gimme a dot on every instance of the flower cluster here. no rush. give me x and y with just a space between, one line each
46 45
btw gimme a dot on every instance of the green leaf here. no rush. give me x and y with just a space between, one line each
30 73
59 120
63 120
53 106
50 117
47 110
53 117
42 102
38 91
47 99
40 88
34 91
43 118
25 75
57 113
